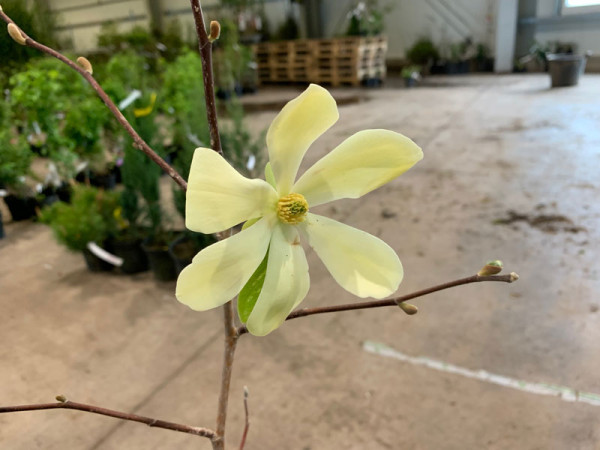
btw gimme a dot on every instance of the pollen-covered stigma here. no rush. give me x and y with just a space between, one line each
292 208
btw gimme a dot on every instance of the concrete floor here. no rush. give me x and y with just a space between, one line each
492 145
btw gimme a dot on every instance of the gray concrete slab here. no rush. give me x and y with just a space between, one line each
492 145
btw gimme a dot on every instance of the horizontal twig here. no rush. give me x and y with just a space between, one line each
393 301
67 404
137 139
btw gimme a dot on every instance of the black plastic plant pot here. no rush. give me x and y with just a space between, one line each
95 264
134 257
21 208
161 263
64 192
182 250
106 181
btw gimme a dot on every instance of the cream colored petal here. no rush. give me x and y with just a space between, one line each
218 272
218 197
286 282
361 263
294 129
363 162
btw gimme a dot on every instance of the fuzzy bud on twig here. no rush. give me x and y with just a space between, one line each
85 64
491 268
61 398
408 308
215 31
16 34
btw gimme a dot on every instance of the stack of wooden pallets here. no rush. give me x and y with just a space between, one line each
338 61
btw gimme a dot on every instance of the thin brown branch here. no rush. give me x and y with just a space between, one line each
67 404
510 278
137 139
231 335
205 48
247 421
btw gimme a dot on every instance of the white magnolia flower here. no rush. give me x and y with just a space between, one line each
218 197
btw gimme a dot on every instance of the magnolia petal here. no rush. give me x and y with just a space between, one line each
363 162
361 263
295 128
218 272
218 197
286 282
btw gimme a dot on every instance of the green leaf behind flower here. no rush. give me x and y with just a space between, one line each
250 292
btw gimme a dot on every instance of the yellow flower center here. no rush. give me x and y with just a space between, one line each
292 208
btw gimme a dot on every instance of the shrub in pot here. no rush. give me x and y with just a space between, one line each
15 161
88 218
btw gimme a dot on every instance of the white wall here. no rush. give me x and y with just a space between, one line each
584 30
80 20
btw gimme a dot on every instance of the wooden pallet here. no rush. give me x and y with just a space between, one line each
338 61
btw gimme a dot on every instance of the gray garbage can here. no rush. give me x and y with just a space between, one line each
565 68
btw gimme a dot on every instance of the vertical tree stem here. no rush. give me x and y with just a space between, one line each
205 48
231 337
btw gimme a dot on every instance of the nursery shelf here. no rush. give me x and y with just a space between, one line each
338 61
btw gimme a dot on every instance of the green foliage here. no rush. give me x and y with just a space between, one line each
233 62
289 29
183 101
251 290
37 21
423 52
238 144
152 45
367 18
90 217
15 157
82 126
411 72
58 110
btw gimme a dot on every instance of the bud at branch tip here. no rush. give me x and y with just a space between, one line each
215 31
16 34
85 64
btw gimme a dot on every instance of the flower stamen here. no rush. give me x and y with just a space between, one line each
292 208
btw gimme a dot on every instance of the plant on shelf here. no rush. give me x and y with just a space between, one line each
366 18
58 114
411 75
35 19
182 96
89 218
423 53
15 162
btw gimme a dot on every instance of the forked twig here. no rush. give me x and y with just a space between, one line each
510 278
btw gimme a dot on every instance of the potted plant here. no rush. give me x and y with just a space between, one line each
423 53
15 161
366 18
411 75
88 219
